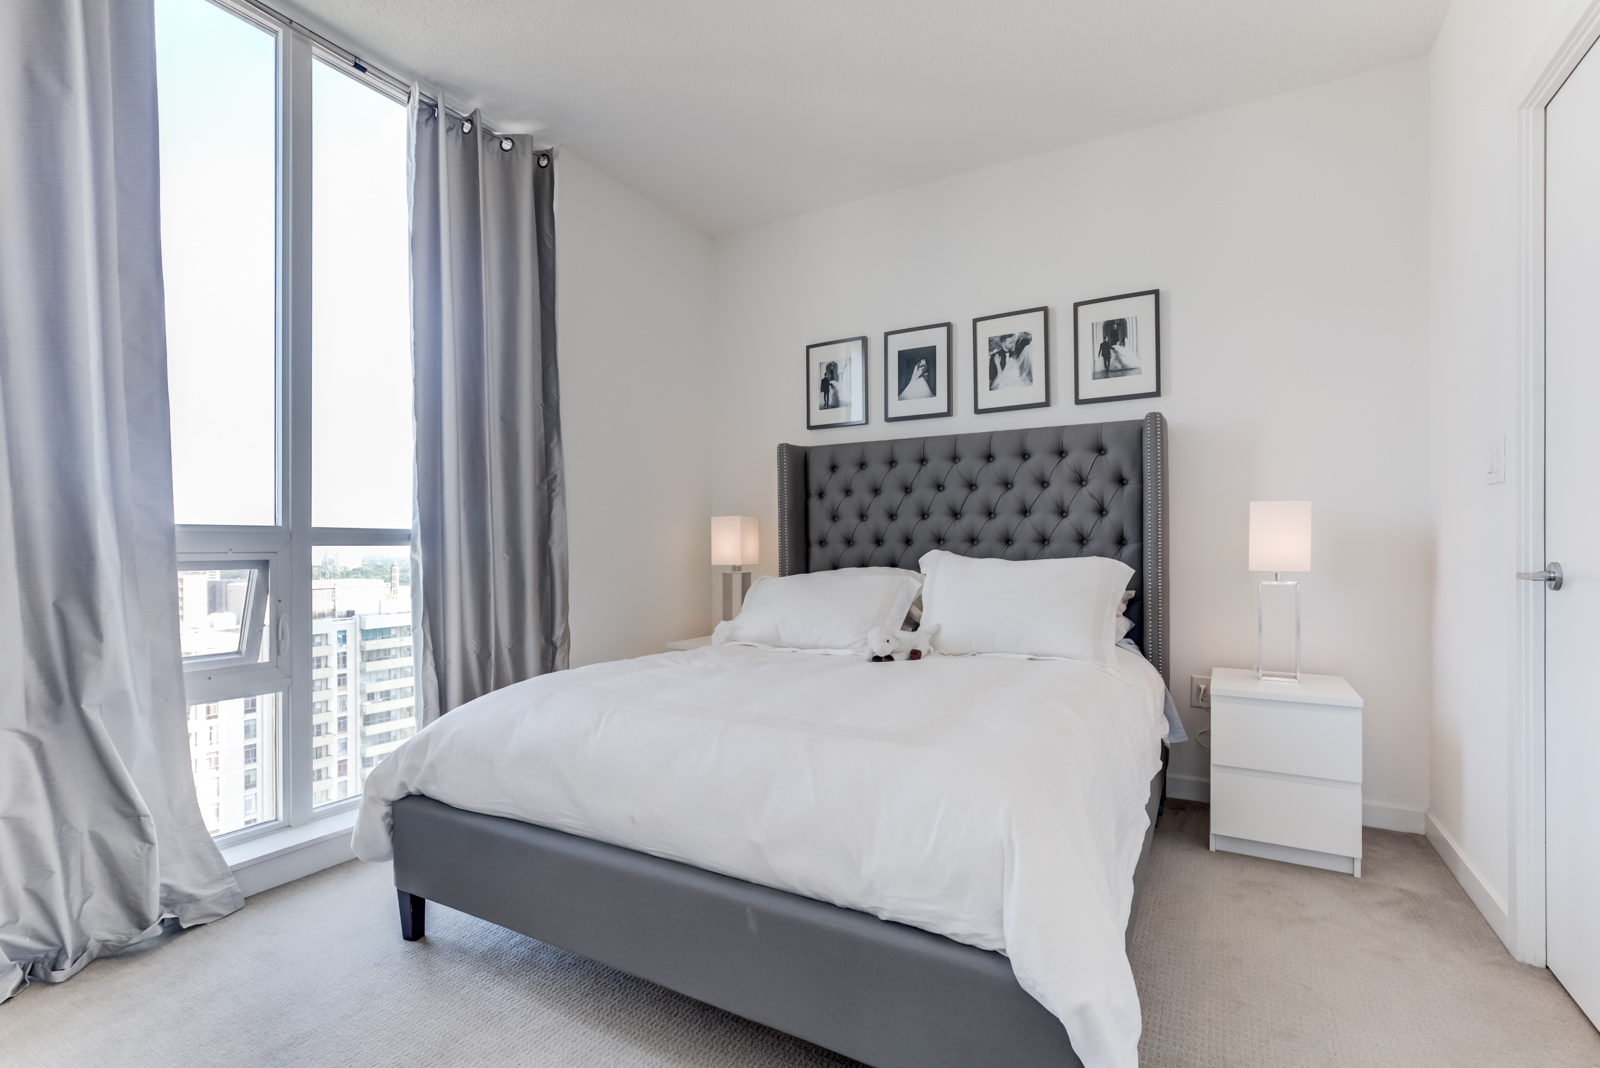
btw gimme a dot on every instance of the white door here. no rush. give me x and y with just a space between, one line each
1572 533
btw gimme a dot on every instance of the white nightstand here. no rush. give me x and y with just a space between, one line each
1286 769
685 644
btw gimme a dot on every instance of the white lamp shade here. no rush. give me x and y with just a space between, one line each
1280 535
736 540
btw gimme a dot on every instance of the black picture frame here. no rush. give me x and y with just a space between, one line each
1084 390
981 359
892 386
852 383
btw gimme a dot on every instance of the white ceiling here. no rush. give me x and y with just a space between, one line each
736 112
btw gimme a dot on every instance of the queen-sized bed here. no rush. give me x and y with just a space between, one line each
839 849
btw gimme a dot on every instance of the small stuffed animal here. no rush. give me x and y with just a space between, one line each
883 644
920 642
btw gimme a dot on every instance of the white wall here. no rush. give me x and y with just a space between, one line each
633 313
1289 240
1485 57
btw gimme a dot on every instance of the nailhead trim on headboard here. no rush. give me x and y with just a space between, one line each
1156 610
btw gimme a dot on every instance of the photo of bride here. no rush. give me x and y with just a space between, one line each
916 372
832 390
836 379
1117 347
1011 361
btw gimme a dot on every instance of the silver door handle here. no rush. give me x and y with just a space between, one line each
1550 576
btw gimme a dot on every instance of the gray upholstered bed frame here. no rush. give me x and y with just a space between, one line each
889 995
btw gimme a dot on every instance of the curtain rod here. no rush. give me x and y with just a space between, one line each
372 70
398 86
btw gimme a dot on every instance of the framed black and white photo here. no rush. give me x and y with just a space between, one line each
836 383
916 373
1117 347
1011 361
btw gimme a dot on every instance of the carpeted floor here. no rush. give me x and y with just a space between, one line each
1241 962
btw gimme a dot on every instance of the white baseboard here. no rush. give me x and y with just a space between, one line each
1387 817
1471 880
292 853
1188 787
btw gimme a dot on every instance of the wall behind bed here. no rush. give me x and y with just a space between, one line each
1288 237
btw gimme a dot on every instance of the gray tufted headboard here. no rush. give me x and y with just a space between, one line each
1094 489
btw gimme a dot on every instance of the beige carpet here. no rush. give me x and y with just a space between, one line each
1240 962
1247 963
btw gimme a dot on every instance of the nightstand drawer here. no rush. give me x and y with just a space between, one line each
1296 739
1266 808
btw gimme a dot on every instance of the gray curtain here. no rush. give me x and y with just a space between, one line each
491 523
100 832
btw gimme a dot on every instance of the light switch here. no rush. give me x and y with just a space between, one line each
1497 459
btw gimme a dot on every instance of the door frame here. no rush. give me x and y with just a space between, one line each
1577 32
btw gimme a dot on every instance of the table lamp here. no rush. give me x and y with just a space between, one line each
735 544
1280 540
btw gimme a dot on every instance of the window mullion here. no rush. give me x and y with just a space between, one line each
295 222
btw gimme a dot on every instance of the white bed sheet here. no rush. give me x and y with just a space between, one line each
995 801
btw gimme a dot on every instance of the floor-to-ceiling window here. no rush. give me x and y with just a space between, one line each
284 234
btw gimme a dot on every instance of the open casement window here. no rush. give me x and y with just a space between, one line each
222 611
285 245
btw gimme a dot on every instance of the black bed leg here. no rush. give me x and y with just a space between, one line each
413 916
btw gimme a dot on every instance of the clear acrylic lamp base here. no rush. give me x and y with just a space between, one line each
1264 592
735 584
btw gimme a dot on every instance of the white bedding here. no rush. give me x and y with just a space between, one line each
1000 802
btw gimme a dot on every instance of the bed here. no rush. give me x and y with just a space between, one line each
851 979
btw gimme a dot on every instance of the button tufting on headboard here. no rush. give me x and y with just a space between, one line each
1016 494
996 494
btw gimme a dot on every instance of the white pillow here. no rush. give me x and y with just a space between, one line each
830 610
1047 608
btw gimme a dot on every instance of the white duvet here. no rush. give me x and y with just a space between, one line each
997 801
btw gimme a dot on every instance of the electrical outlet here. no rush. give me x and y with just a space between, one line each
1199 691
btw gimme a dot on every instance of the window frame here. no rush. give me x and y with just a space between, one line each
285 548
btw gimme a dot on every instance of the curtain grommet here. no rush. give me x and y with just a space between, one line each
544 159
506 144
